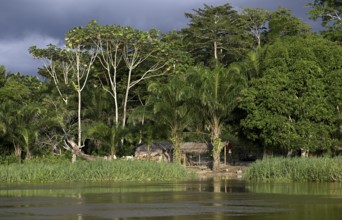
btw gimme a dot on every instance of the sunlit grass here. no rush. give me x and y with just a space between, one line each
296 170
117 170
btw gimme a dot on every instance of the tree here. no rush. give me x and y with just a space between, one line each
283 23
293 104
330 13
21 112
99 126
216 35
3 74
106 136
75 63
256 22
217 93
178 56
128 57
171 107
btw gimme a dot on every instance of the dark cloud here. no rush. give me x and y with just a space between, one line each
39 22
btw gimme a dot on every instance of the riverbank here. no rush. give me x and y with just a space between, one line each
236 171
116 171
269 170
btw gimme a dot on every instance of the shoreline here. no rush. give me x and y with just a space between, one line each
236 171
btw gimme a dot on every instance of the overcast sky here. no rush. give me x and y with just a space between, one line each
25 23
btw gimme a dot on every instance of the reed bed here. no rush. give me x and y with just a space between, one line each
117 170
296 170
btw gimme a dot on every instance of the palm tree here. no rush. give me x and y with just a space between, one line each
171 107
107 136
28 119
216 97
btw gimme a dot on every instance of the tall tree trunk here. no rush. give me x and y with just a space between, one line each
215 51
79 140
79 93
116 110
217 147
126 98
217 144
177 154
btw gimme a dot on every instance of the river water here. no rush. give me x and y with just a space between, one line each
201 199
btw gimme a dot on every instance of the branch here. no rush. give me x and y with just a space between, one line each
143 77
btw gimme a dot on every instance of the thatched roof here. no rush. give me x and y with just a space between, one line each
154 146
186 147
194 147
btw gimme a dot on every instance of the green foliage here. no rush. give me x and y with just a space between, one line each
6 160
118 171
293 99
105 136
216 34
179 58
293 105
22 113
283 23
256 22
216 95
172 107
329 11
296 170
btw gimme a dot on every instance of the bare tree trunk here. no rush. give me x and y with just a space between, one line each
304 153
126 97
76 151
79 139
215 50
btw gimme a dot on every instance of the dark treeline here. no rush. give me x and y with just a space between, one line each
254 77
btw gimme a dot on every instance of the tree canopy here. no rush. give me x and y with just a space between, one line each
293 104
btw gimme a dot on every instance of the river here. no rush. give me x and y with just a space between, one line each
201 199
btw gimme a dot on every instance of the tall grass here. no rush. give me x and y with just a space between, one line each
117 170
296 170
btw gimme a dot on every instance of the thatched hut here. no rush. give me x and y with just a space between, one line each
157 151
195 153
195 148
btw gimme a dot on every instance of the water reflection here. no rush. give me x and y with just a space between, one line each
329 189
215 198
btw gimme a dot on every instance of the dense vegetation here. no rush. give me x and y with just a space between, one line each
255 77
40 171
296 170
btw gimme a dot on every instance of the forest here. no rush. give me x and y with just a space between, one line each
259 79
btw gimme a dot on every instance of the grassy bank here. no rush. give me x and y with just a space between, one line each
296 170
117 170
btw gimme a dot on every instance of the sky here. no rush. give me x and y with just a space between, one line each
25 23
